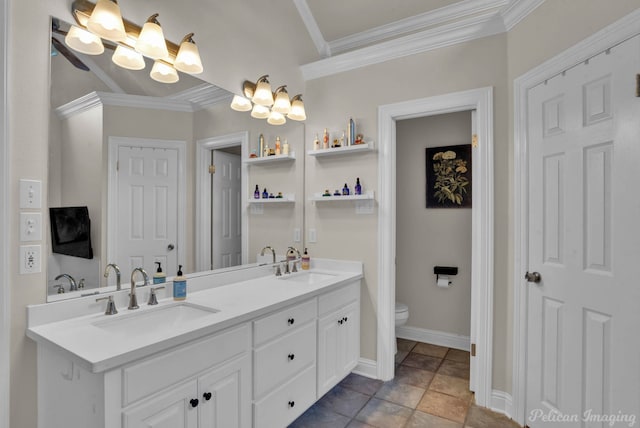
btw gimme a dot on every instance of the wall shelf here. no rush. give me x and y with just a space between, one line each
366 147
285 199
270 159
364 203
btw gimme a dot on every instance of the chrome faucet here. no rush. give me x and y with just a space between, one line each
117 269
72 282
273 252
133 300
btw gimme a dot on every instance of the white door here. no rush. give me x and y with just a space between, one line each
147 216
583 352
172 409
226 230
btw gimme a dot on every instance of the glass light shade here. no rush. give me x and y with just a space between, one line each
297 111
276 118
240 103
260 112
263 95
164 73
282 104
151 41
188 58
106 21
128 58
83 41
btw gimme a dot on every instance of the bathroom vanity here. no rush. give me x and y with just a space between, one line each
246 349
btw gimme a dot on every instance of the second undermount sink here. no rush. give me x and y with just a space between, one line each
162 318
308 277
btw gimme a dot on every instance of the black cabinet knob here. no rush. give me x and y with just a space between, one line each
291 357
346 319
194 402
340 321
292 403
290 321
206 396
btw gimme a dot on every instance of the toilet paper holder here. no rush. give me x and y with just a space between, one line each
445 271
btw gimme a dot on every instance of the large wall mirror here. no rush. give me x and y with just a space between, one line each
129 170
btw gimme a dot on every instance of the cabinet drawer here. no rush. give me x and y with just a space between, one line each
282 358
336 299
156 373
285 404
283 321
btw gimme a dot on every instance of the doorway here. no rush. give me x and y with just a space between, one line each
204 188
434 232
481 335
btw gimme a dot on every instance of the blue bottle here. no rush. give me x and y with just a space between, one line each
265 194
179 286
256 193
358 187
345 190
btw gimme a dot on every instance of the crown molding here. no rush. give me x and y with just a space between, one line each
476 27
203 96
517 11
312 28
415 23
95 99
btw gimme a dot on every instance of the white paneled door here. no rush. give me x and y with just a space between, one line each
226 228
583 316
147 217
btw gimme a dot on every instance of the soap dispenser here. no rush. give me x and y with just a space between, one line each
306 260
179 285
159 277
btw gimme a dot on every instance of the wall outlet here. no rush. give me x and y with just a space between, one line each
30 259
30 227
30 194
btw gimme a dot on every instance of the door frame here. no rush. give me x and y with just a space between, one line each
114 143
203 192
5 216
480 100
599 42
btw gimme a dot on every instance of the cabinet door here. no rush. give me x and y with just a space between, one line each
225 395
349 338
328 342
172 409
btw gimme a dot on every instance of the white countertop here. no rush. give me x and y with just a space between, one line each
98 349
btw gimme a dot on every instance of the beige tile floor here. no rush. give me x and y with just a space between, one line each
430 390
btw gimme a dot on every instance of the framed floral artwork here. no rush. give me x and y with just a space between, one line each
449 176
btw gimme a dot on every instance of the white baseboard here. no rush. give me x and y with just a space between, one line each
502 402
367 368
434 337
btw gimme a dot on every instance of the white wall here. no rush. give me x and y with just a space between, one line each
428 237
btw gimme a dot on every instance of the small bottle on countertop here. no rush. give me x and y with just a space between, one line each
256 193
316 143
358 188
159 277
285 147
179 285
345 190
306 260
278 149
265 194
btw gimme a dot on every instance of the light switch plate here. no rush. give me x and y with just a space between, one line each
313 238
30 194
296 235
30 227
30 259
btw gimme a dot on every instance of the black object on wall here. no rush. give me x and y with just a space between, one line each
71 231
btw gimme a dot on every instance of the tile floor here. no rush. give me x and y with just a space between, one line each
430 390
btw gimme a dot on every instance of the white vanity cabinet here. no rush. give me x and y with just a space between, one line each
338 335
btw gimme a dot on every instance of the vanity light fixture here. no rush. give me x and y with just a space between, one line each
104 20
275 107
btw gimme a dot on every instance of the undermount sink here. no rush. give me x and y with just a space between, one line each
157 318
308 277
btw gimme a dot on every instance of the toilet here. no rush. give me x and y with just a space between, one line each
402 315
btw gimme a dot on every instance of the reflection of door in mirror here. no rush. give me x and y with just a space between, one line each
144 203
226 228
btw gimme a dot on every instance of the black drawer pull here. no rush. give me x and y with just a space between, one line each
290 321
346 319
206 396
292 403
291 357
194 402
340 321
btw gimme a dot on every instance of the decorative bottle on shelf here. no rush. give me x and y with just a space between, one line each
261 143
358 187
316 143
285 148
325 139
266 150
256 193
345 190
265 194
352 131
278 150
